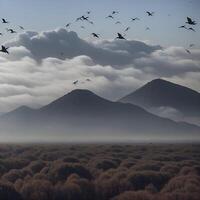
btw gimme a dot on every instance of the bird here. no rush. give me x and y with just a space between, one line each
79 19
91 22
120 36
4 21
118 22
68 25
95 35
147 29
191 45
75 82
150 13
191 29
21 27
4 49
11 30
88 79
190 21
115 12
1 34
110 16
134 19
84 18
88 12
127 29
183 27
188 51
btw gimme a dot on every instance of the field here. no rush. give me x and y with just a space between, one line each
100 172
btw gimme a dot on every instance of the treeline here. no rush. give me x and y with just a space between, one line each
100 172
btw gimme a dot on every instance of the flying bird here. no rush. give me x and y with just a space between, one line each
4 21
110 16
115 12
183 27
88 12
150 13
134 19
21 27
120 36
91 22
88 79
79 19
191 45
75 82
1 34
147 29
118 22
11 30
4 49
84 18
190 21
188 51
127 29
68 25
95 35
191 29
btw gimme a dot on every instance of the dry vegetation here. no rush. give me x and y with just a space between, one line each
100 172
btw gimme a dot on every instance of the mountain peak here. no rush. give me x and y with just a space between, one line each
162 93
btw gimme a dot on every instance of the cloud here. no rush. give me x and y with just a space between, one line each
42 67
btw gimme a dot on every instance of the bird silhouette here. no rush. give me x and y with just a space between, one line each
68 25
188 51
150 13
191 45
115 12
21 27
1 34
183 27
190 21
147 29
191 29
127 29
79 19
118 22
95 35
134 19
4 21
88 12
4 49
84 18
75 82
110 16
120 36
88 79
11 30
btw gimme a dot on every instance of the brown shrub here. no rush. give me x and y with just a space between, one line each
37 190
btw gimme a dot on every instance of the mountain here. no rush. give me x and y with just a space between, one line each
82 112
164 94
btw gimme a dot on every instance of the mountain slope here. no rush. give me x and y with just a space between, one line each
82 112
161 93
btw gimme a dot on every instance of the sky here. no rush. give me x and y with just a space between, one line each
40 15
46 57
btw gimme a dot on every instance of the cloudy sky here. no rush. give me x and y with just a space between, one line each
46 58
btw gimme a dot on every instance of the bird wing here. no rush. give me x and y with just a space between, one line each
189 19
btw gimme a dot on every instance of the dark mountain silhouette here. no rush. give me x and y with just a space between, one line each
83 112
161 93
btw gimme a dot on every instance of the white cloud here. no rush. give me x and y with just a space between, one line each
42 66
